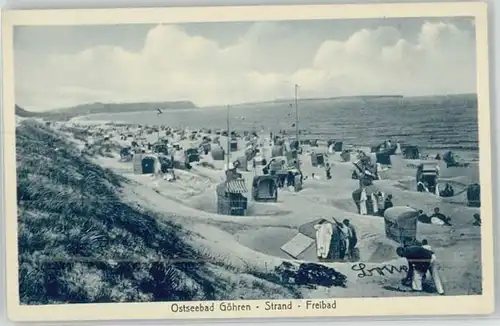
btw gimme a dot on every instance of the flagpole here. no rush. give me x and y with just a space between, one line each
297 125
158 129
228 137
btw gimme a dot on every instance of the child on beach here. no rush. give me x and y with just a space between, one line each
328 171
477 220
388 202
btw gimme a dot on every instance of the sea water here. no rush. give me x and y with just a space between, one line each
434 123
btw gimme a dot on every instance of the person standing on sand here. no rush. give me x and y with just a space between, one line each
353 238
380 203
328 172
374 203
344 239
388 202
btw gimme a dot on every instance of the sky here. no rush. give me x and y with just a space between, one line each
235 62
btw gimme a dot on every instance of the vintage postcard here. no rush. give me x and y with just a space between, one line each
230 162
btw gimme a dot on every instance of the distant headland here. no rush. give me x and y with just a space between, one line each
110 108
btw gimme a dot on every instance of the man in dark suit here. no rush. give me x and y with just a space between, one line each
419 262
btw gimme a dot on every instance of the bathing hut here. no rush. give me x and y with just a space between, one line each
338 146
160 148
474 195
146 164
231 198
217 153
427 176
277 150
233 145
401 224
384 156
317 159
411 152
265 188
191 155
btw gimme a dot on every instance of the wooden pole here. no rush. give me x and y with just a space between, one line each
228 138
297 125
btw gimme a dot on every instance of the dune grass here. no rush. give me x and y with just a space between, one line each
79 243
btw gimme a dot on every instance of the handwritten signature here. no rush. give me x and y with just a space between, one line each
380 270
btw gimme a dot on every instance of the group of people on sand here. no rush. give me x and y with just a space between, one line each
326 244
380 202
421 261
436 218
348 240
388 145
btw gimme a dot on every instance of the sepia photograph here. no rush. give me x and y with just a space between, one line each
258 166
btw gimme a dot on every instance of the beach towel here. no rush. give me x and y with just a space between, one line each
324 233
362 203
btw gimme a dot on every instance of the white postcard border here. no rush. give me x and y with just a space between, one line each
458 305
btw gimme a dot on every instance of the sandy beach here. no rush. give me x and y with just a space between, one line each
255 240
